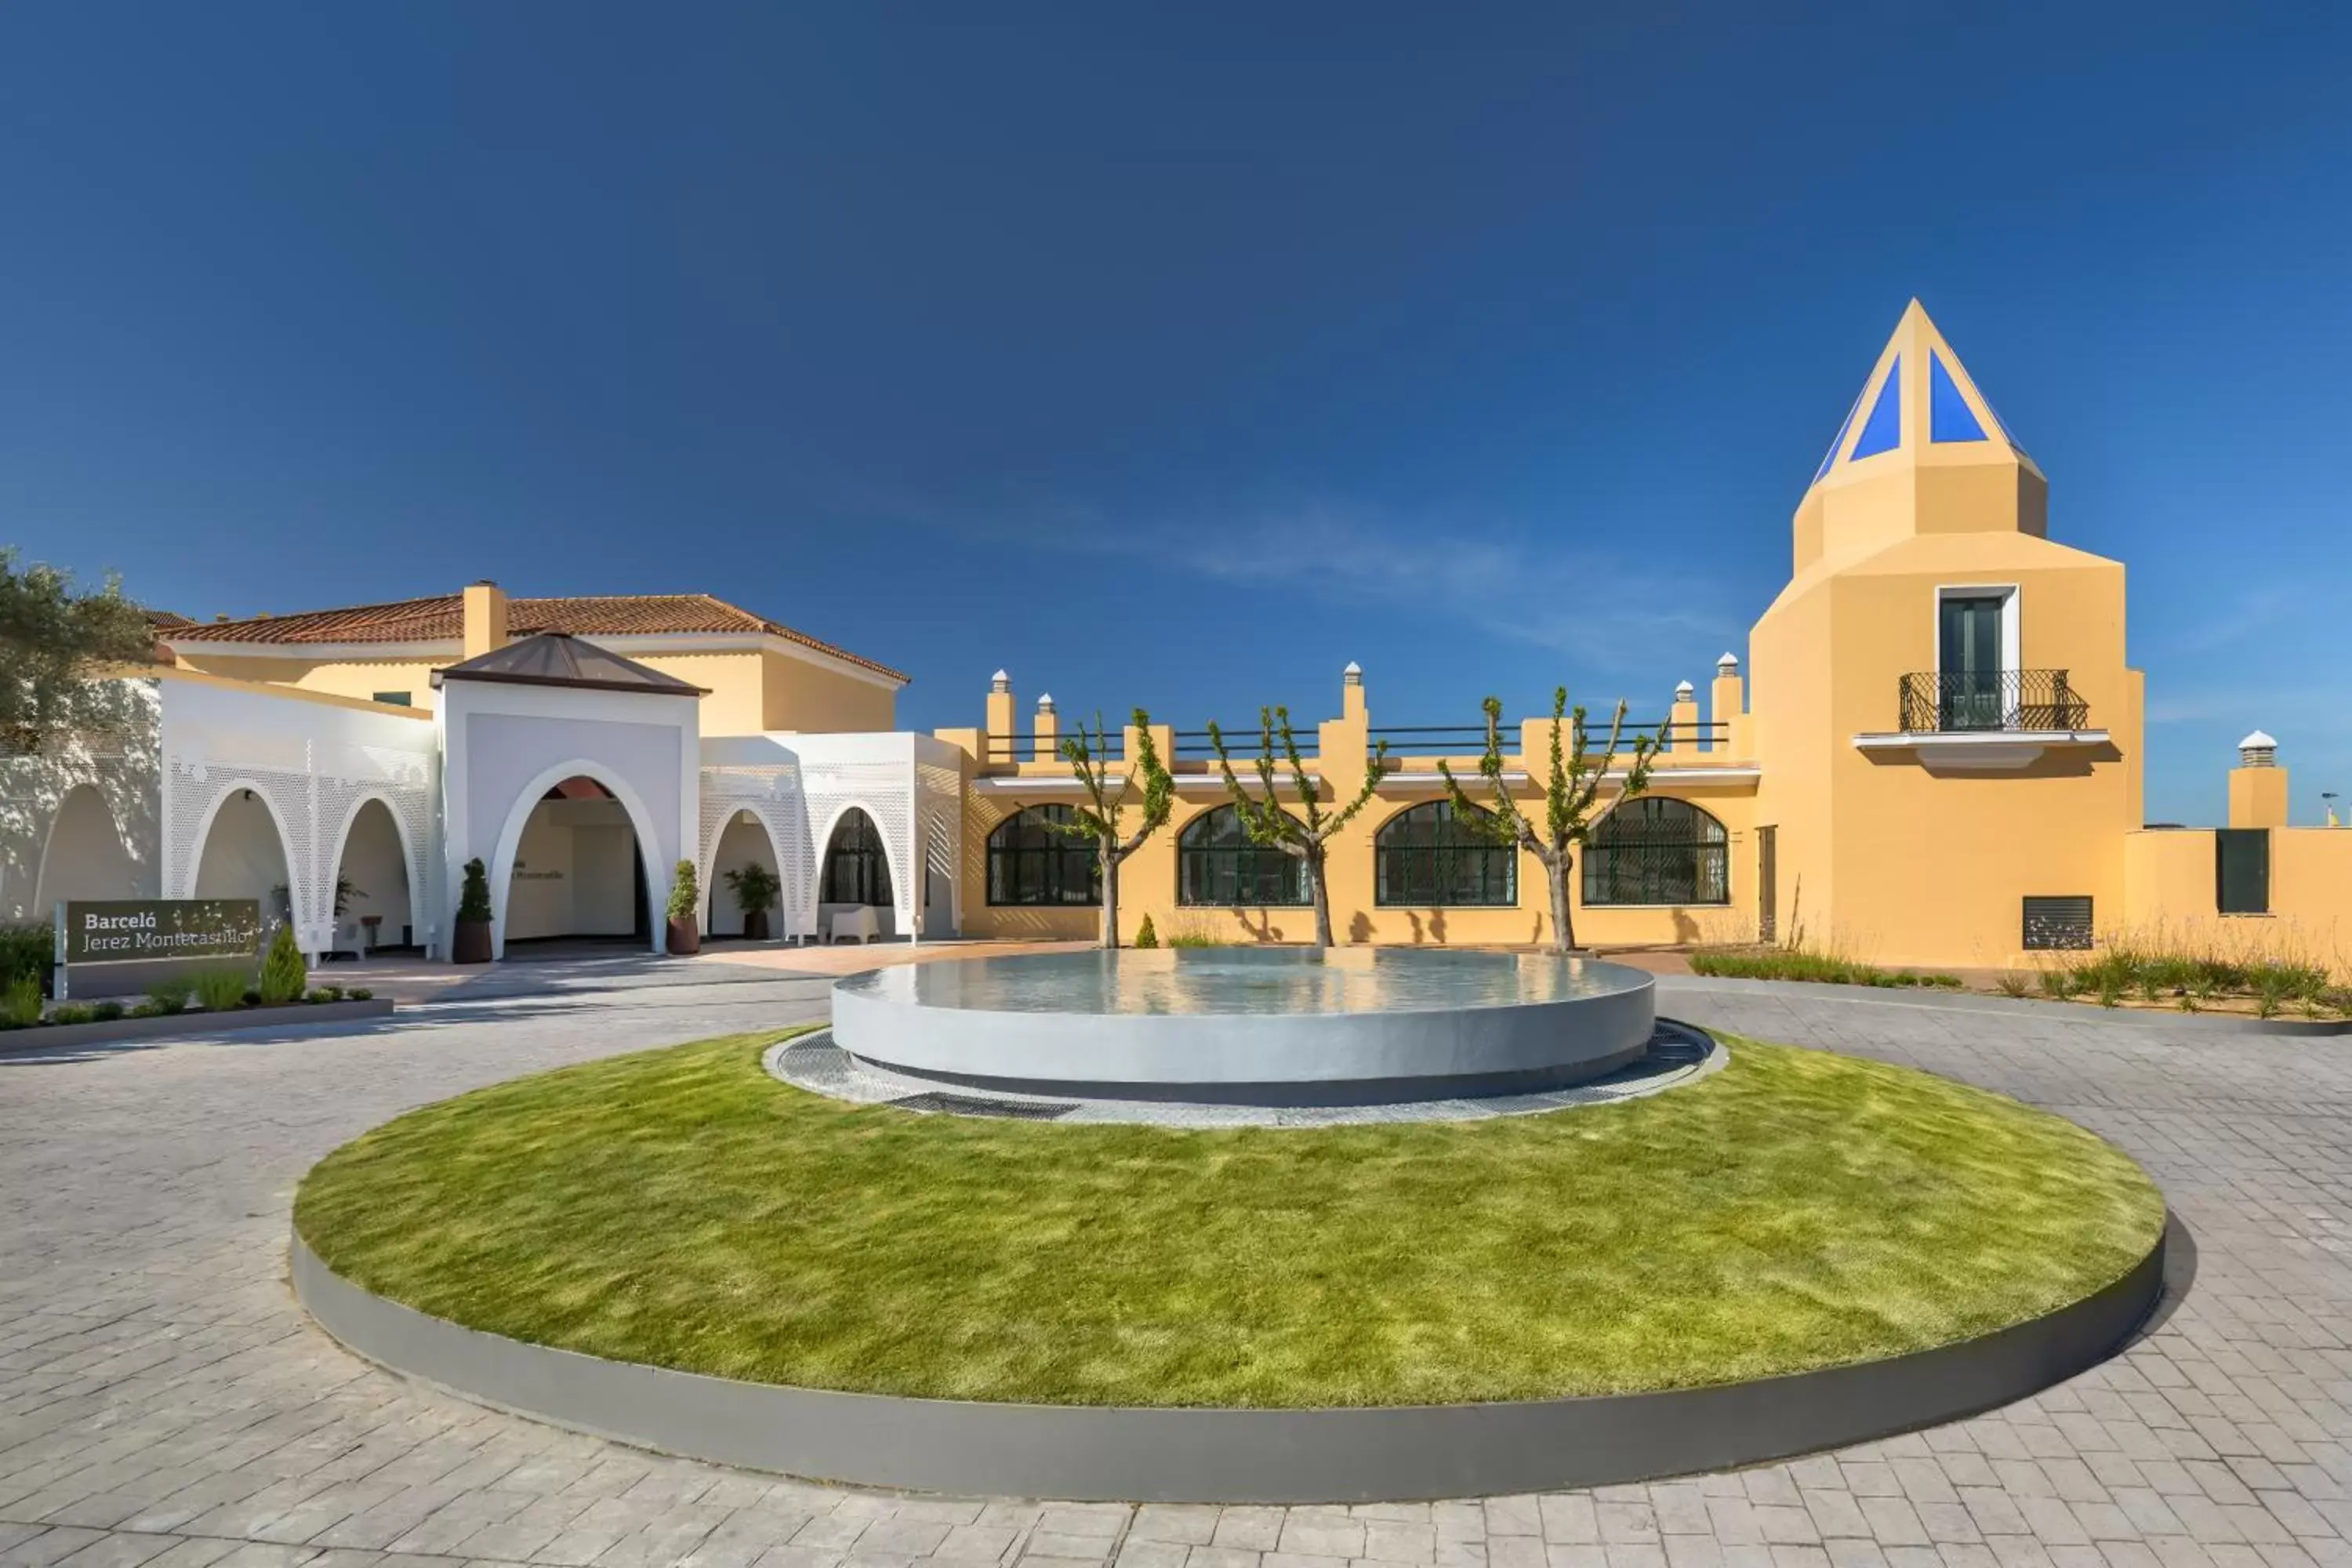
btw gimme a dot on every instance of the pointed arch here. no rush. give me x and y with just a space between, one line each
412 869
509 842
298 897
736 810
102 870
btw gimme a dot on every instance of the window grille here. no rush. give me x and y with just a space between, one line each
1032 863
1218 866
1425 856
1655 850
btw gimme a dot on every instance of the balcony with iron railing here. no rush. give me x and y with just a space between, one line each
1954 702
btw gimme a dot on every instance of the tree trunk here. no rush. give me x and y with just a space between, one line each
1322 894
1563 925
1110 899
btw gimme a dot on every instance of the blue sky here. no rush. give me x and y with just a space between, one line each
1177 355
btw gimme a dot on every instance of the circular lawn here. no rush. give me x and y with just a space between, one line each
680 1207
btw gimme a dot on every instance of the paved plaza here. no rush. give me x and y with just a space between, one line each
163 1400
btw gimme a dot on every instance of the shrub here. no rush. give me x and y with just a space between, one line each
221 988
474 896
252 997
2111 990
685 895
360 994
168 996
1191 930
318 993
105 1012
20 1001
1145 936
282 972
1816 966
28 948
2012 984
72 1013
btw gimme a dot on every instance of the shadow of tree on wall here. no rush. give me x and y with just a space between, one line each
119 753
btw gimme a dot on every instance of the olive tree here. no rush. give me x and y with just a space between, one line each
1304 837
1102 819
1571 786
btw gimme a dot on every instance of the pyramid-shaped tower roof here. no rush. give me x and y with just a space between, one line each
1920 450
1917 396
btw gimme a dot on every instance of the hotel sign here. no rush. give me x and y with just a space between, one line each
140 931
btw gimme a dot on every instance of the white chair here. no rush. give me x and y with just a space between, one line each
860 923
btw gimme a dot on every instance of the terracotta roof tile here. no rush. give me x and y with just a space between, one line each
442 618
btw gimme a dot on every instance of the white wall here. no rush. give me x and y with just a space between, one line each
573 874
243 856
85 857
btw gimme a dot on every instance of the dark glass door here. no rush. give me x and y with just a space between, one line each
1969 695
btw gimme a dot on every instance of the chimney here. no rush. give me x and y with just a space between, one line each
1682 719
996 740
2258 784
1727 699
486 619
1047 732
1351 693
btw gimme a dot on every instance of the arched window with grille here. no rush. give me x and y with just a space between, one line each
1655 850
856 869
1427 858
1030 862
1217 866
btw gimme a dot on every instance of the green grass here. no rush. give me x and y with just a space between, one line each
1826 968
1796 1209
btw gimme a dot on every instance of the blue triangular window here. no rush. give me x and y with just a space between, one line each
1831 456
1949 417
1883 431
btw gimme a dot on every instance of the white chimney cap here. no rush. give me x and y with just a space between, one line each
1000 676
1353 669
1683 689
1045 702
1729 661
2257 742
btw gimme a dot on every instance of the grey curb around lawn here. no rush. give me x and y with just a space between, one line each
48 1036
1121 1454
1933 999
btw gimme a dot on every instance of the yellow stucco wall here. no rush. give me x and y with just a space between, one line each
750 692
799 694
2170 896
1149 884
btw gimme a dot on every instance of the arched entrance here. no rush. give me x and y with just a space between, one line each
575 871
84 858
856 873
373 912
744 842
243 856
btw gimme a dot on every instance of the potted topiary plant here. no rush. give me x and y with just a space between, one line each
469 942
756 890
684 897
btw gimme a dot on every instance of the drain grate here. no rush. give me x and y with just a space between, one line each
1674 1048
965 1105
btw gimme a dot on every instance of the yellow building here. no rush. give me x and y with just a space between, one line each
1938 763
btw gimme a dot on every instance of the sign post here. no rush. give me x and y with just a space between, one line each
154 934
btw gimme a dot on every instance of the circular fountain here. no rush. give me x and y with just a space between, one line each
1265 1026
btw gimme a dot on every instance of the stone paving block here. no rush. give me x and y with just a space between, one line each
1189 1524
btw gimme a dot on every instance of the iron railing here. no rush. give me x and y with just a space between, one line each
1403 739
1936 703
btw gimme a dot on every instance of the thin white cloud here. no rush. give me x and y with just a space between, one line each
1607 606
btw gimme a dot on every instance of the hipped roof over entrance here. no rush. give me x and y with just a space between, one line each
559 658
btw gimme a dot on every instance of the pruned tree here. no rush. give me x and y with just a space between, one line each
1102 819
53 642
1306 836
1570 787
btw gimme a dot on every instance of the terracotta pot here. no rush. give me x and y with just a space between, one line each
684 936
755 925
470 942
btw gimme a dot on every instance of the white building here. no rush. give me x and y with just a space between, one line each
342 767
